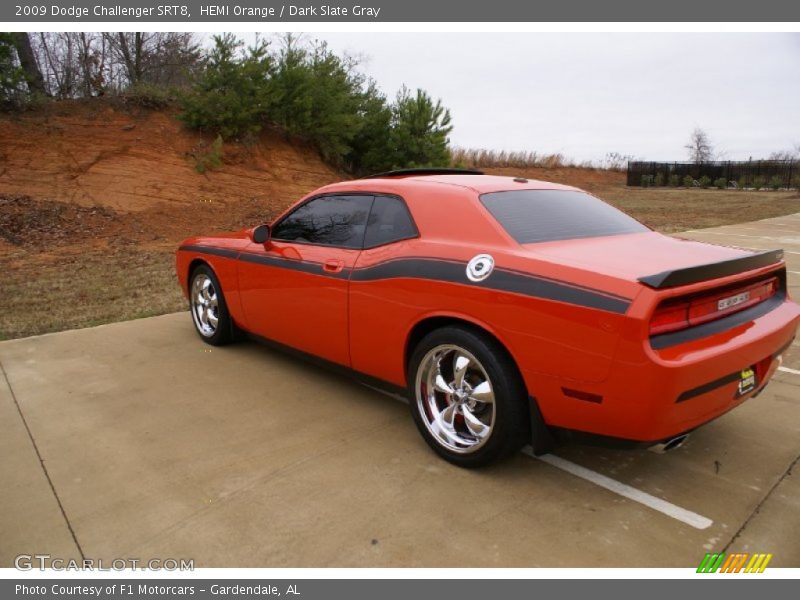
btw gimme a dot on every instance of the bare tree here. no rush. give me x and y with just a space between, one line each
793 154
27 60
92 64
85 64
161 58
57 56
699 146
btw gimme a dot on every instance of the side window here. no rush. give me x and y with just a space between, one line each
389 222
327 221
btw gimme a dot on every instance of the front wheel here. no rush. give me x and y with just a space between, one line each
209 311
467 397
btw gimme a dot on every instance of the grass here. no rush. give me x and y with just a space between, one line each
677 209
82 286
89 289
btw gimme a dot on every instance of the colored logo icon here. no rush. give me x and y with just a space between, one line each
737 562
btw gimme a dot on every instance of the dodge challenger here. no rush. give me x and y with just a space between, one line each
509 311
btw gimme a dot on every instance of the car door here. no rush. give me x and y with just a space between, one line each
294 288
382 300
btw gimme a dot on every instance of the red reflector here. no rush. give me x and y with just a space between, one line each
579 395
674 315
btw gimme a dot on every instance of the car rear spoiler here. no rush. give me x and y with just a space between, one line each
715 270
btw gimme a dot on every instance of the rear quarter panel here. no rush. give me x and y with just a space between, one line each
544 336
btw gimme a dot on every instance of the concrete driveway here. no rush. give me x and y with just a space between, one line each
135 440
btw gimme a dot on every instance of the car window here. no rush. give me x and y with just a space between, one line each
546 215
328 221
389 222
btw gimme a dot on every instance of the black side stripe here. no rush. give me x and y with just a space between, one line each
211 250
433 269
305 266
708 387
462 265
501 280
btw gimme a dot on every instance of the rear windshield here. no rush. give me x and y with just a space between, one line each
545 215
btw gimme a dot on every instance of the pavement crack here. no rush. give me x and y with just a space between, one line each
41 462
757 509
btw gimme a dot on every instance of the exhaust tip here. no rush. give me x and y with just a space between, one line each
669 445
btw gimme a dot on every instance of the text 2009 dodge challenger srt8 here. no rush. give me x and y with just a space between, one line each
512 311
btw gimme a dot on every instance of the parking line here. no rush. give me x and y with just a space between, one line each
671 510
788 370
631 493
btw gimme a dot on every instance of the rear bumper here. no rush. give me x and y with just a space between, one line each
653 395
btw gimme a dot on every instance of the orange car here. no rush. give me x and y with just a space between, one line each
510 311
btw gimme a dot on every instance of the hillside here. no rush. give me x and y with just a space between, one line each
137 170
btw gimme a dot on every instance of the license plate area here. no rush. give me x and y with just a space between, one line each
747 381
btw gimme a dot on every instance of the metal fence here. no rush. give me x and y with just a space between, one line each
776 174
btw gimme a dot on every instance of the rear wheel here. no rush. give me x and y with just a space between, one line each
209 311
467 398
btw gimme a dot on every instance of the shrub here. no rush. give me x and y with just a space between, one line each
659 180
704 181
758 183
721 183
147 95
212 159
647 180
688 181
231 95
776 183
674 180
419 132
317 96
370 148
742 182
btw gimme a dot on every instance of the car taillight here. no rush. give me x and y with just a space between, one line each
670 317
675 315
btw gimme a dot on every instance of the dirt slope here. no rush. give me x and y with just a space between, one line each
92 153
98 172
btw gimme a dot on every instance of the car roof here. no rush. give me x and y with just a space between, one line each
481 184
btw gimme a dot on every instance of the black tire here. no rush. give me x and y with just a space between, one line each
223 331
510 423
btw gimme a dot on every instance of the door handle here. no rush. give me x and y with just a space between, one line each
333 266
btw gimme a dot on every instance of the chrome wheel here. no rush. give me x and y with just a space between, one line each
205 305
455 398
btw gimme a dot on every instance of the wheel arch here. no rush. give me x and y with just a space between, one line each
542 438
193 264
436 321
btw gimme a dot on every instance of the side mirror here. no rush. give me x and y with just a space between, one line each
260 234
